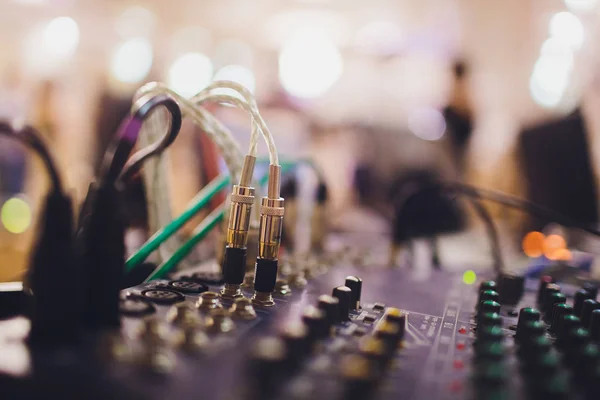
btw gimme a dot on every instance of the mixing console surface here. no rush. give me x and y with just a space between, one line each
353 333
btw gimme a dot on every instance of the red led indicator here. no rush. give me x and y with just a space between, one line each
462 330
460 346
458 364
455 386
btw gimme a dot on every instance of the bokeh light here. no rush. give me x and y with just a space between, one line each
533 244
581 5
469 277
235 73
568 28
309 65
549 80
135 21
61 37
553 246
132 60
190 73
15 215
427 124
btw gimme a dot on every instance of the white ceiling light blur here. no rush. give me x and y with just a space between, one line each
309 64
31 2
427 124
60 37
284 26
549 80
558 50
190 73
581 5
135 21
132 60
232 51
379 37
235 73
567 28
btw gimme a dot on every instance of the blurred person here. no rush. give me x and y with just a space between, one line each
458 114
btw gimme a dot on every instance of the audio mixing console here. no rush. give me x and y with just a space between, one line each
352 333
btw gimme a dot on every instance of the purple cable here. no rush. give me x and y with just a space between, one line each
117 164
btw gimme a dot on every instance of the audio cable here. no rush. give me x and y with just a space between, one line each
155 174
101 235
243 194
199 233
51 280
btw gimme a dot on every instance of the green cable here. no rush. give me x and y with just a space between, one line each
197 203
201 231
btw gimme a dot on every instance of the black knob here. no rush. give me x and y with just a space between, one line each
265 368
574 341
488 306
580 296
490 351
528 314
552 387
535 347
529 330
559 311
358 374
490 374
331 307
587 358
595 325
511 288
544 282
541 366
552 299
316 323
396 317
488 295
490 319
487 285
551 289
589 305
297 342
390 334
592 288
565 325
344 295
488 334
355 285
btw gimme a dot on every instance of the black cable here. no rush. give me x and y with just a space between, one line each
30 138
521 204
481 211
476 194
116 163
51 281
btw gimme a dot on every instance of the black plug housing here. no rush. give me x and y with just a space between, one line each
52 283
234 265
101 255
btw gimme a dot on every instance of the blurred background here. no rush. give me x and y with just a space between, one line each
501 94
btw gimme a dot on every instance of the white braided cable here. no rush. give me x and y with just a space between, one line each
155 172
251 102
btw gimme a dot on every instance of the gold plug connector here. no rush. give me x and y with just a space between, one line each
240 211
269 239
271 217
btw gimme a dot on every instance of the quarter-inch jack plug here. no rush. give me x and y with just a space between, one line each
234 259
271 222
